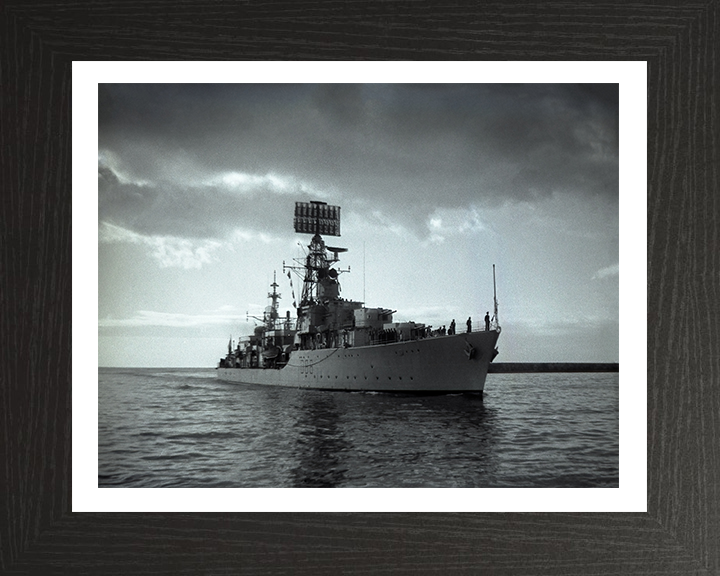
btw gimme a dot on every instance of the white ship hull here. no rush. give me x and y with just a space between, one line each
457 363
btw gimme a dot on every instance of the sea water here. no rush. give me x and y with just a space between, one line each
187 428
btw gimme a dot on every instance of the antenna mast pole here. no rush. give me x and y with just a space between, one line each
495 311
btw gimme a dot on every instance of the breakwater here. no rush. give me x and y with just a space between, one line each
514 367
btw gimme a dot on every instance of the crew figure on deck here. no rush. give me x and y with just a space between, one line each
487 321
469 324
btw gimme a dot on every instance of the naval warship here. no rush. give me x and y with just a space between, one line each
340 344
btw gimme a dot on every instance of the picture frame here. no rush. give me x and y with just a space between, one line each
38 532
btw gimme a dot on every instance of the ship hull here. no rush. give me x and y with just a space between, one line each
457 363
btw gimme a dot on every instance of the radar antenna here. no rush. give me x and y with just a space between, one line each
319 279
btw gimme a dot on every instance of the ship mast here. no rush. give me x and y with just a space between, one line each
317 266
271 314
495 310
319 279
317 309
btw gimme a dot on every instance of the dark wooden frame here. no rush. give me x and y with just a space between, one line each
680 532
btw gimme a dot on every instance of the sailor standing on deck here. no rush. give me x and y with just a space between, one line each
487 321
469 324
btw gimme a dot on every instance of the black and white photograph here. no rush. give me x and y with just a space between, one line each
288 193
358 285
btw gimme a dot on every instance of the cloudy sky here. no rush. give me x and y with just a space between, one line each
197 185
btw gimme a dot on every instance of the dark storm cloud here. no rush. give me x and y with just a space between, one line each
210 211
403 149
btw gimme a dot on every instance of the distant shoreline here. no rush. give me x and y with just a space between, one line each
510 367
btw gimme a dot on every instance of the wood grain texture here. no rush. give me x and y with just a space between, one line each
680 532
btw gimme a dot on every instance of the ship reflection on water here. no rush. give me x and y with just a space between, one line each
402 440
320 445
180 428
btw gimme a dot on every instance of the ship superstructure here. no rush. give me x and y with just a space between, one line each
341 344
